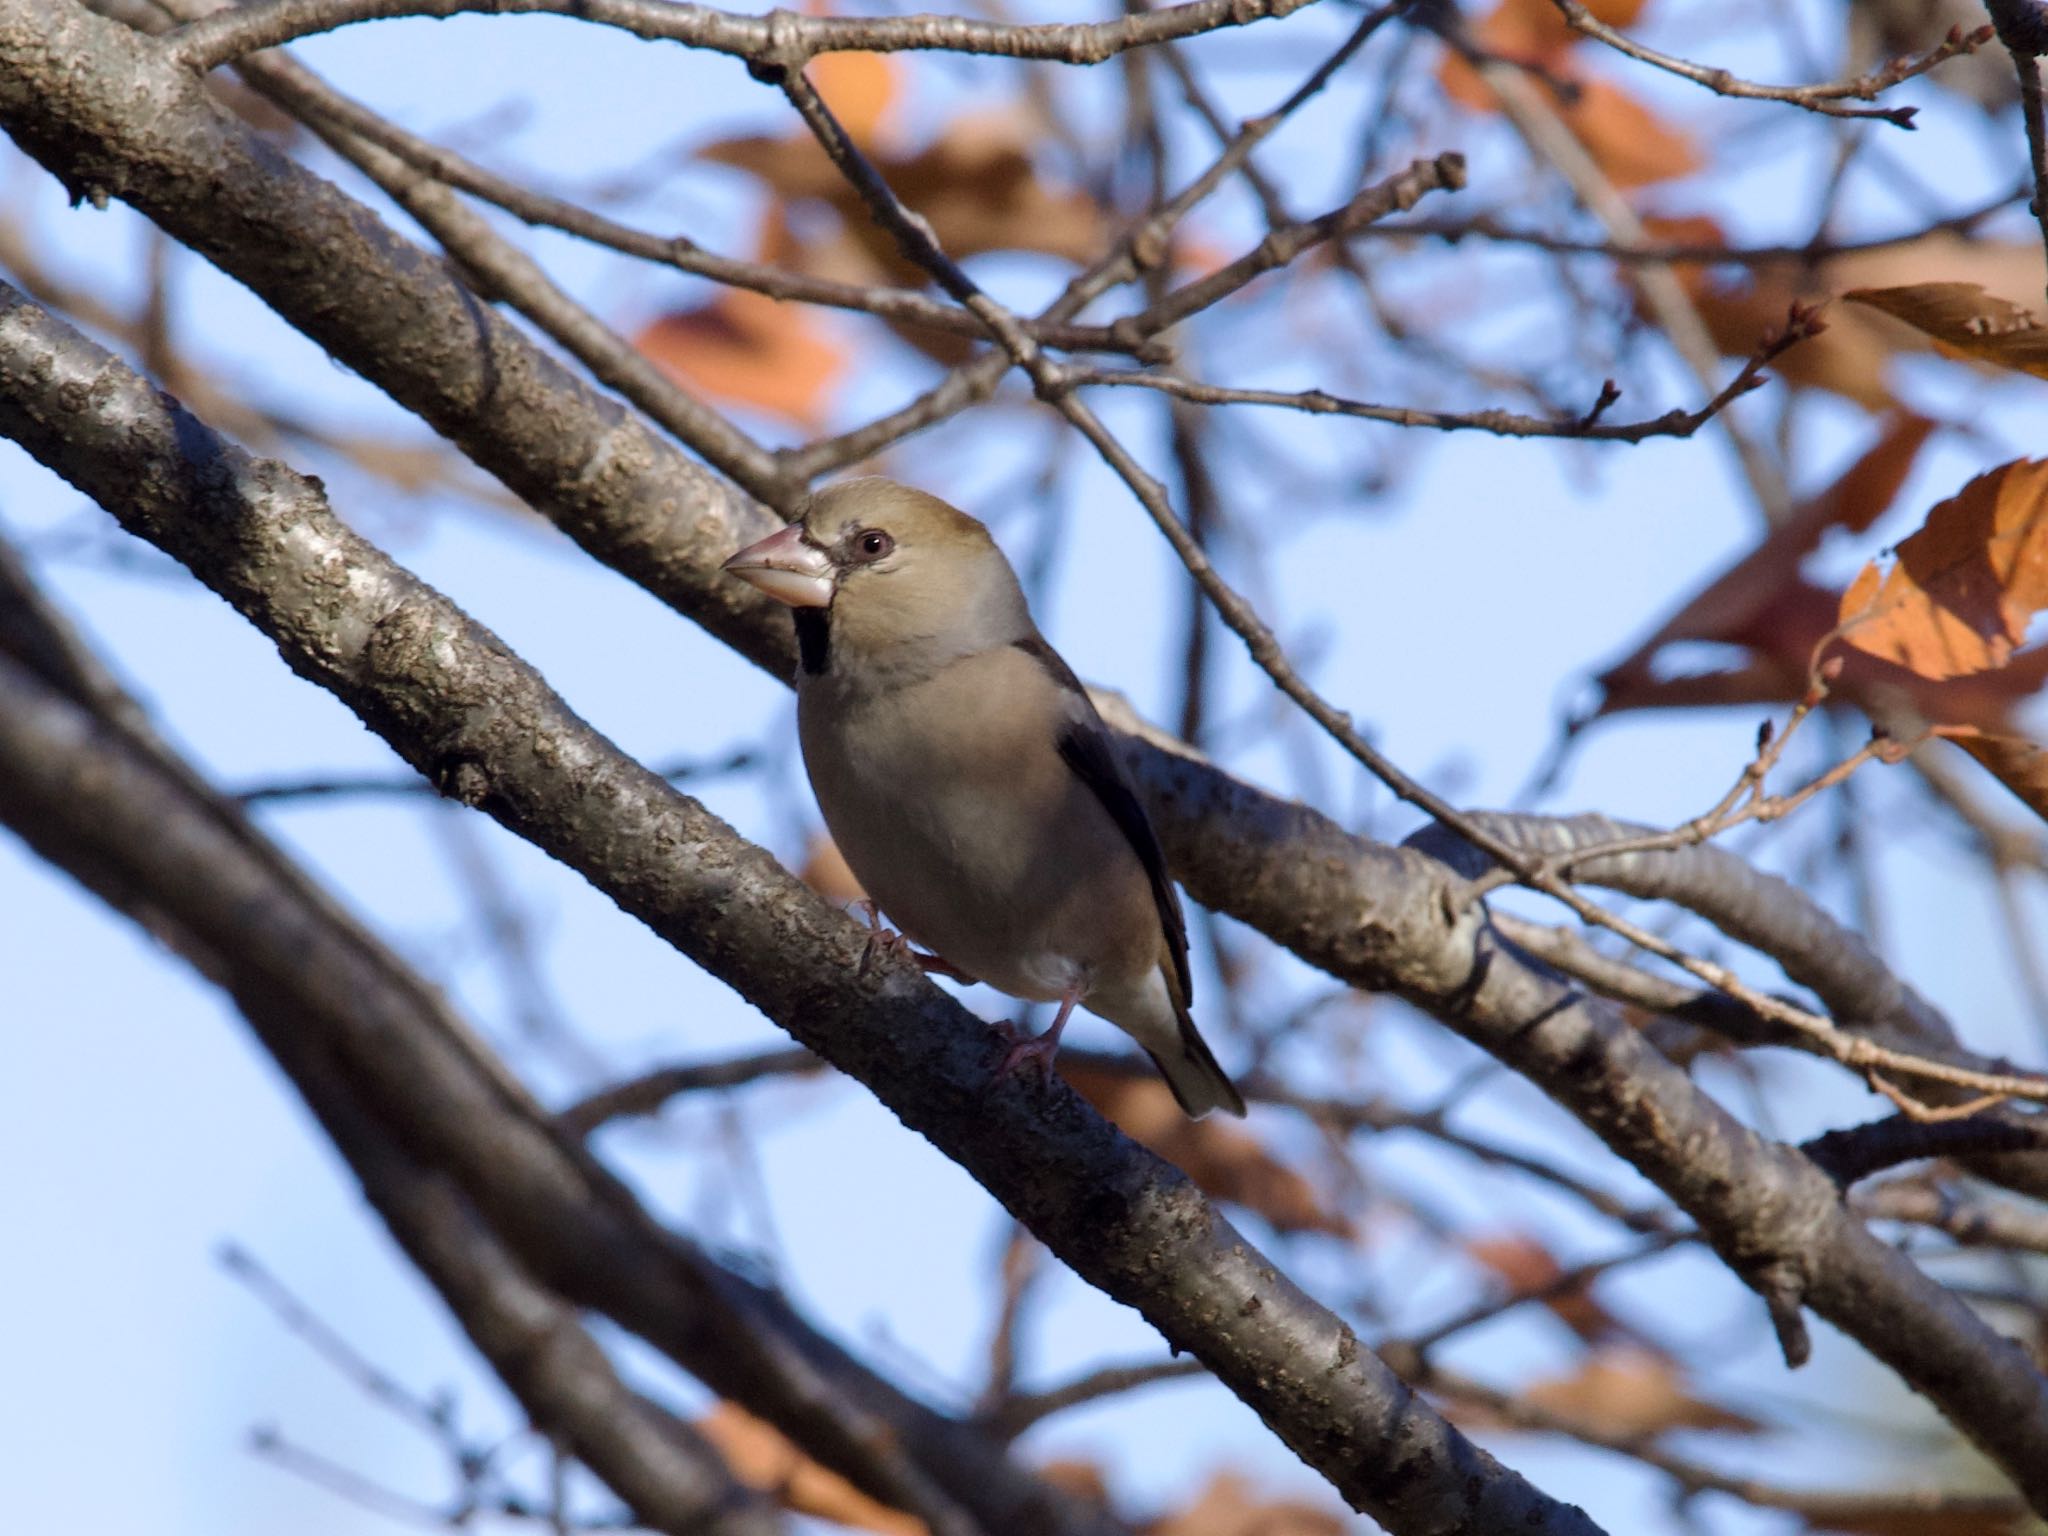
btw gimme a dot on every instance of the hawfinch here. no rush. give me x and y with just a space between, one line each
967 779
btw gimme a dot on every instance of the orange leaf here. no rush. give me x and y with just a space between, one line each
1532 32
1629 142
826 871
977 185
1227 1507
762 1459
1851 357
1964 587
861 89
2020 765
1627 1390
1223 1160
1632 144
1967 322
749 349
1761 601
1526 1265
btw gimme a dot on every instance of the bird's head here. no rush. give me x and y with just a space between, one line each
902 576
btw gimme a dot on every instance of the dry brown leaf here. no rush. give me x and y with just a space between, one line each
1850 357
2020 765
1963 588
748 349
862 90
1629 142
1845 359
1531 32
1967 322
1778 641
1627 1390
1228 1507
762 1459
1761 602
1776 618
976 184
1083 1480
826 871
1526 1265
1223 1160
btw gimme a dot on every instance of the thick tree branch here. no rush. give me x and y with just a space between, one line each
477 721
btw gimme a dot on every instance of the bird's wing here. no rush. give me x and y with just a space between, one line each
1084 746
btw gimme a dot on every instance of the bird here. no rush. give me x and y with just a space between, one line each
969 782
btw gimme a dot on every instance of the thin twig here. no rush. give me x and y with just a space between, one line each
1824 98
1587 427
648 1094
1810 253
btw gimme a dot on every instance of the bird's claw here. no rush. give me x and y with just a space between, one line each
886 940
881 938
1036 1049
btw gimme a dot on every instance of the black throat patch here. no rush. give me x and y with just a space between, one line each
813 639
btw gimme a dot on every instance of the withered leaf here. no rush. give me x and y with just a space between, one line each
826 871
1965 321
747 349
1528 1266
1851 357
1223 1159
1960 595
1631 144
763 1459
1628 1390
2020 765
1227 1506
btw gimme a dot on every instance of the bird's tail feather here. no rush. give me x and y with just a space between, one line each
1198 1083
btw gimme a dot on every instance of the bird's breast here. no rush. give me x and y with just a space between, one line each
970 831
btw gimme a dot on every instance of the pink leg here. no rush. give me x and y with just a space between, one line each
1041 1049
882 937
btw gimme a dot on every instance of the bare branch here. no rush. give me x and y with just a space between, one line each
1588 427
1824 98
1859 1151
650 1093
784 40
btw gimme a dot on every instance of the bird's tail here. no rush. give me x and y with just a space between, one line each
1198 1083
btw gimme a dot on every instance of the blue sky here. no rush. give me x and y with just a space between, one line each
1455 616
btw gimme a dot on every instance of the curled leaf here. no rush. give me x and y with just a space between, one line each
1965 321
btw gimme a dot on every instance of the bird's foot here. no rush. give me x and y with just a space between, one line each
1032 1050
883 939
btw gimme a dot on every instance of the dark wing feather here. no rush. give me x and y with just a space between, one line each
1084 745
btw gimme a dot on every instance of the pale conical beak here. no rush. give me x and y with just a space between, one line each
787 569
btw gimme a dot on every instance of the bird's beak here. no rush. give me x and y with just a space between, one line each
787 569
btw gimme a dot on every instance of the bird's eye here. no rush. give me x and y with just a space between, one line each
874 544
